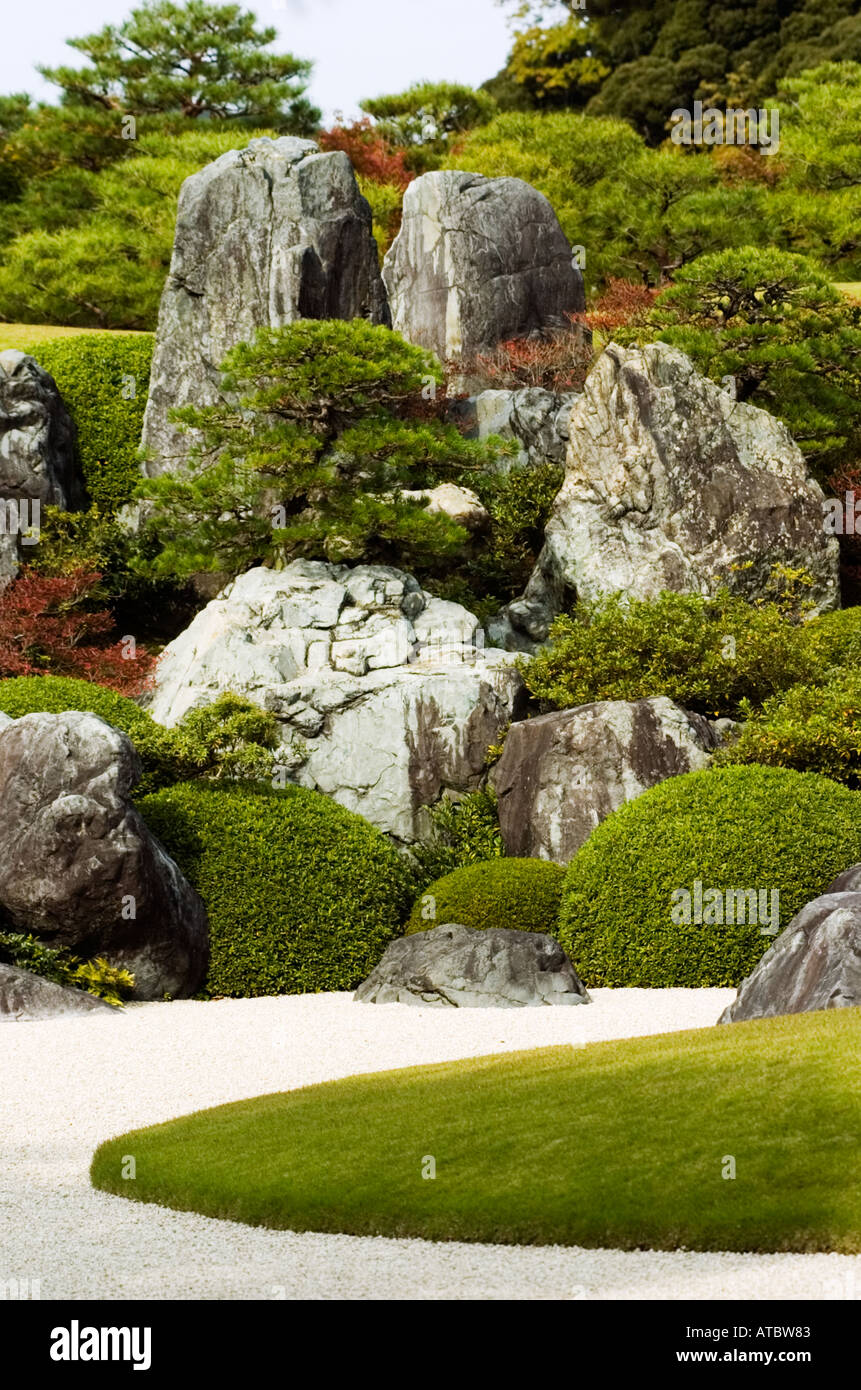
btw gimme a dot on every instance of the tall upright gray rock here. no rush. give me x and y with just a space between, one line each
264 236
478 261
38 456
672 484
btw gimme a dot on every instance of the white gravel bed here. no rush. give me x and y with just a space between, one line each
67 1085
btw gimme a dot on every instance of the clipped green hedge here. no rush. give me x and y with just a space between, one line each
302 894
523 894
754 828
156 746
96 374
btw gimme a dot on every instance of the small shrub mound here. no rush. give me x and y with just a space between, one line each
104 381
523 894
809 728
302 894
624 917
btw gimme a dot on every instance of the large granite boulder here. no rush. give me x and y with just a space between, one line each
78 866
264 236
25 998
463 967
478 261
815 963
672 484
561 774
385 695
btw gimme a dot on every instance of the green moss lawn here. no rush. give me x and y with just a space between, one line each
618 1144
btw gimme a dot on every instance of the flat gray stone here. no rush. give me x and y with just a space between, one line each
456 967
26 998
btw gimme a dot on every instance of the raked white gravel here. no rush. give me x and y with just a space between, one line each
67 1085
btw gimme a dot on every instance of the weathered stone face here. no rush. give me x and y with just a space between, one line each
669 484
561 774
26 998
385 695
815 963
264 236
463 967
478 261
538 420
78 866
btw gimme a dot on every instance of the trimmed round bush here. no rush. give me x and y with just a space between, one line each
104 381
632 893
156 746
302 894
523 894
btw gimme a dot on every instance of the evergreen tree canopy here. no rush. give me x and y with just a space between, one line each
198 59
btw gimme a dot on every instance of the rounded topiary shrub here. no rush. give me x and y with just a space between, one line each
104 381
523 894
302 894
677 887
156 746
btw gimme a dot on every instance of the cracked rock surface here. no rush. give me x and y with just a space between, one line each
478 261
264 236
385 695
457 967
670 483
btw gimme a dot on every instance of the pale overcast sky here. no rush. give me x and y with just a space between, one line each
360 48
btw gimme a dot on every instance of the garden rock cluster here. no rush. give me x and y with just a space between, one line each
561 774
78 867
477 261
671 483
815 963
264 236
386 696
465 967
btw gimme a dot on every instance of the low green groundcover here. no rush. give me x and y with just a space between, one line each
523 894
302 894
742 1137
684 886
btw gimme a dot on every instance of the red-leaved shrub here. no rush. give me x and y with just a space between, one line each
370 153
49 625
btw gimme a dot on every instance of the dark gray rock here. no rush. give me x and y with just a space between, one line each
537 419
37 436
78 866
459 967
561 774
264 236
670 483
815 963
25 998
478 261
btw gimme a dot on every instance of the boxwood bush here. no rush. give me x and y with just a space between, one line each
523 894
752 828
302 894
809 728
104 381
